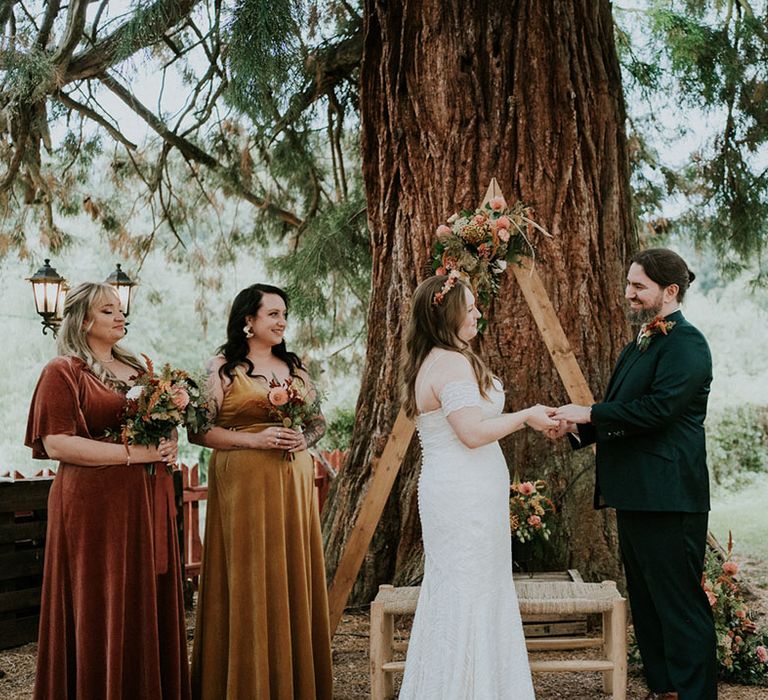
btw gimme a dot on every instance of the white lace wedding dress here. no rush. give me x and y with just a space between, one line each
467 638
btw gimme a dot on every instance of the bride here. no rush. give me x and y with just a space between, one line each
467 638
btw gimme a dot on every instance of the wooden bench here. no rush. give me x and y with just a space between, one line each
545 598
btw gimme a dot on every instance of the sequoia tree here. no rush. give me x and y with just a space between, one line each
452 94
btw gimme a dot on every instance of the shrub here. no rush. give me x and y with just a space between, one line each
338 433
737 444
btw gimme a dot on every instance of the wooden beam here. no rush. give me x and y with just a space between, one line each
536 296
385 470
552 333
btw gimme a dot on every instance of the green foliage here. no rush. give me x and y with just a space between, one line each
737 444
338 433
265 55
711 57
27 75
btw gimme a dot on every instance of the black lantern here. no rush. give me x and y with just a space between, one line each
48 287
124 286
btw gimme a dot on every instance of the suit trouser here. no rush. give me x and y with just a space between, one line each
663 556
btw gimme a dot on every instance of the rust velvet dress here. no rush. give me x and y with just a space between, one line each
262 618
112 613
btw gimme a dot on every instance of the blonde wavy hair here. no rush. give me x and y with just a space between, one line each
436 326
72 339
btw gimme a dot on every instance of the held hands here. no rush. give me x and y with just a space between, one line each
278 438
540 418
569 418
168 449
573 413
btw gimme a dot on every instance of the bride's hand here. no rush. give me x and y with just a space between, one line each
539 417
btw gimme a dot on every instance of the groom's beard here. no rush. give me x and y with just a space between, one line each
647 313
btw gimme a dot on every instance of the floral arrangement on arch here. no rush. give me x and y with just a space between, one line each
742 649
159 403
529 509
479 244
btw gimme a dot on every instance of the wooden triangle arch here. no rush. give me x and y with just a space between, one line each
385 468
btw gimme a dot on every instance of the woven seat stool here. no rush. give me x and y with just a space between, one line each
562 598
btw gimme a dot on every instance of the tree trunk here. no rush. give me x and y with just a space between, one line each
453 94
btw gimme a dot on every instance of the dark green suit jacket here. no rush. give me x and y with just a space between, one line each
649 430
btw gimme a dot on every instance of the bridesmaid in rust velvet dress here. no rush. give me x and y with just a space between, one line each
112 613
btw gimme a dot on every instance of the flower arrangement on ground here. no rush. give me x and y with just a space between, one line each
528 510
289 405
479 244
159 403
742 649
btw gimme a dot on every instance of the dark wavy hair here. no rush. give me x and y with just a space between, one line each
235 350
665 267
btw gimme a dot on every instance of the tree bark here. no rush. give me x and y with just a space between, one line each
454 93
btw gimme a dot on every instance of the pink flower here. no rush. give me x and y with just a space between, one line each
441 271
502 222
534 521
179 397
526 488
740 614
497 203
731 568
712 598
503 235
738 639
443 230
278 396
479 219
762 654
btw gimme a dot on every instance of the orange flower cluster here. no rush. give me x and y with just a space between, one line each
742 651
289 405
528 508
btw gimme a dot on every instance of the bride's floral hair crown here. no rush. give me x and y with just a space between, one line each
450 283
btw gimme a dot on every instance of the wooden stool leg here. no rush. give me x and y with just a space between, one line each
382 637
618 652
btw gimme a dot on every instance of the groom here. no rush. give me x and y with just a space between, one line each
651 467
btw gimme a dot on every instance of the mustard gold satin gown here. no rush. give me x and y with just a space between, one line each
262 628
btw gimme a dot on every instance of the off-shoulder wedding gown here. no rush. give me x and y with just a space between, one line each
467 638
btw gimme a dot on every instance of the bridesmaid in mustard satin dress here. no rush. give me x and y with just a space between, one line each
262 628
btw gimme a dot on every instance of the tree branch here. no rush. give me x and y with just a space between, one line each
73 32
193 152
51 12
126 40
94 116
330 65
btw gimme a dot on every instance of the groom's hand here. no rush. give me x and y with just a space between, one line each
573 413
562 429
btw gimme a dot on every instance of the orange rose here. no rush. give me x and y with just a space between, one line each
180 397
731 568
278 396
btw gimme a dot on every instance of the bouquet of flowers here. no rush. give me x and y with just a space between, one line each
289 405
158 403
742 649
479 244
528 508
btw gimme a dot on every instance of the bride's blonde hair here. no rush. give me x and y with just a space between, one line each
436 325
72 338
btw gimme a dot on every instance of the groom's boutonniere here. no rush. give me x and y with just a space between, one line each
648 330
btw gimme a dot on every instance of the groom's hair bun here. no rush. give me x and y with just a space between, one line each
665 267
